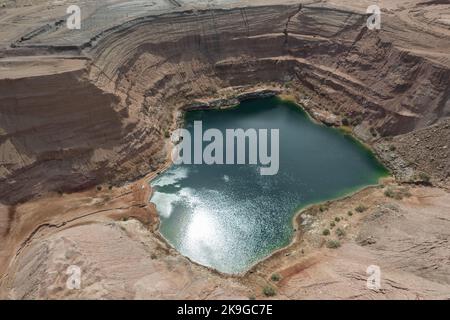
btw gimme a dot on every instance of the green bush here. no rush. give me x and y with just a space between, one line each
288 84
326 232
361 208
345 122
275 277
424 177
357 120
350 213
337 219
389 193
340 232
398 194
333 244
269 291
405 192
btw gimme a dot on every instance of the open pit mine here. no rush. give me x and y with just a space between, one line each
92 207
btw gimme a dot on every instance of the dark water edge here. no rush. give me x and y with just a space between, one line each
231 226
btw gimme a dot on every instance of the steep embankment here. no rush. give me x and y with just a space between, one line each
326 50
382 82
109 126
60 132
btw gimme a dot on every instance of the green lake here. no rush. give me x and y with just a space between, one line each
229 216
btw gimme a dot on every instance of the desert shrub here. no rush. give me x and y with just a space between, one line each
424 177
326 232
340 232
332 224
350 213
392 148
361 208
398 194
337 219
333 244
269 291
275 277
357 120
389 192
405 192
288 84
345 122
99 188
167 134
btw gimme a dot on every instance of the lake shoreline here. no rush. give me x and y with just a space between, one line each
214 103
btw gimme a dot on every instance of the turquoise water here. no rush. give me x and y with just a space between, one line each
229 216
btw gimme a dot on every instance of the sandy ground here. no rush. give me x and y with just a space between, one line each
407 239
110 235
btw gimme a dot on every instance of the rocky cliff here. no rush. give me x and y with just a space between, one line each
105 121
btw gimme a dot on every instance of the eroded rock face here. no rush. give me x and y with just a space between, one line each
53 127
106 120
60 132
